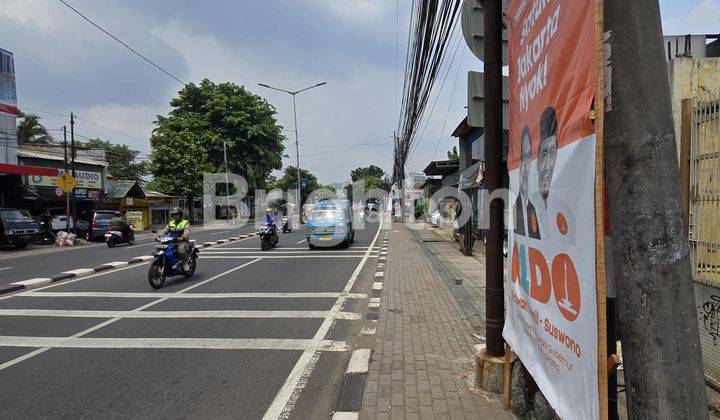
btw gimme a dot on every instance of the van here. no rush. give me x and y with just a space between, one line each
17 227
330 223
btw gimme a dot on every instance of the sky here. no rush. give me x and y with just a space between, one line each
64 64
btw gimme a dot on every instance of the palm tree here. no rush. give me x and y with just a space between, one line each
30 131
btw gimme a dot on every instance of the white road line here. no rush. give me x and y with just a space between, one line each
5 268
110 321
270 257
33 293
220 233
135 246
172 343
302 248
62 313
299 242
284 251
285 399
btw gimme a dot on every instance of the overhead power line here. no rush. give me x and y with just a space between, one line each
157 66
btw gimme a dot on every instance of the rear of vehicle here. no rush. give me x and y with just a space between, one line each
17 227
100 224
330 224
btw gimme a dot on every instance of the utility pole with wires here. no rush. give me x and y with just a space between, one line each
67 195
72 169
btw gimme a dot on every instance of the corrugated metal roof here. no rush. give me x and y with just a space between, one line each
122 188
37 154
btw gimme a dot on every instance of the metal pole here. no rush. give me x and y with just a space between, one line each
656 308
494 299
298 195
227 184
72 168
67 195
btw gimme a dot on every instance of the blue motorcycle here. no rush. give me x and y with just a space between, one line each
166 262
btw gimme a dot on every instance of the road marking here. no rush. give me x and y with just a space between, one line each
193 295
302 248
377 285
285 399
359 361
220 233
367 331
301 241
62 313
285 251
375 300
5 268
173 343
110 321
270 257
135 246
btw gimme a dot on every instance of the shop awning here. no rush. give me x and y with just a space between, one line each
8 168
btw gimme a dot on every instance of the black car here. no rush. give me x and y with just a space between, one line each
17 228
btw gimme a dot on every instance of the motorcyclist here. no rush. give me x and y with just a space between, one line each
271 220
180 229
119 223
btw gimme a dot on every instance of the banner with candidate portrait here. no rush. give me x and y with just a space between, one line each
550 292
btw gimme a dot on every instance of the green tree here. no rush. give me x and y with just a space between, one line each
289 182
189 140
123 161
453 154
30 131
366 172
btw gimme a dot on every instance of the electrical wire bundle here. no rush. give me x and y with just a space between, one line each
431 25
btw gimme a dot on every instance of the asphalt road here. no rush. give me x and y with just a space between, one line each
48 260
252 335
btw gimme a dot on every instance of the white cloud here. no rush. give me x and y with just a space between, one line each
701 19
359 10
30 12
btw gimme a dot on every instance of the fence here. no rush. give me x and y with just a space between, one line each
700 151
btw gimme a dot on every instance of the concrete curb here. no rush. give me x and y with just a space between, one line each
83 272
353 386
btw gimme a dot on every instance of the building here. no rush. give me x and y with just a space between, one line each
693 66
38 192
145 208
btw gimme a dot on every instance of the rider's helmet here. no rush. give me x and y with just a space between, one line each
269 211
176 210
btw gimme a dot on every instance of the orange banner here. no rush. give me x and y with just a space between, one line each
552 56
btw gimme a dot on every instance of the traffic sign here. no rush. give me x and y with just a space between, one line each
473 28
66 182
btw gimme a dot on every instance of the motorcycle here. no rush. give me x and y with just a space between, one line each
268 237
286 225
166 263
116 237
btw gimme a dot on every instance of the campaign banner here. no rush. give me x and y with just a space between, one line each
550 293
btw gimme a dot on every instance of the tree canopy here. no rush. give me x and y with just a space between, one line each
122 160
289 181
366 172
30 131
189 140
453 154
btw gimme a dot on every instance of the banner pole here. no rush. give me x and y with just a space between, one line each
599 208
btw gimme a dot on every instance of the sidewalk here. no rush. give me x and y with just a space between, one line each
423 362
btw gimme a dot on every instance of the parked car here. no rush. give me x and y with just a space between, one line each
329 223
95 223
17 227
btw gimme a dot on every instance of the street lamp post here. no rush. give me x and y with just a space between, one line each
297 144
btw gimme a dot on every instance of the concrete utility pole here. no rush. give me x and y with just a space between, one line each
657 318
67 195
73 199
494 298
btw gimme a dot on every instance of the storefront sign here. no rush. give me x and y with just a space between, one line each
550 294
85 179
